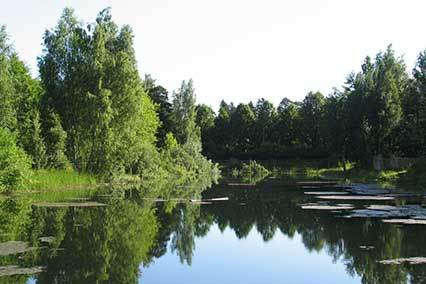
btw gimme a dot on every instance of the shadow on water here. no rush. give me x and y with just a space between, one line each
117 242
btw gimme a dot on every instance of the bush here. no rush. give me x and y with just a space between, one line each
250 172
14 163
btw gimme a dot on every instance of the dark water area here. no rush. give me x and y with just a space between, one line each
259 235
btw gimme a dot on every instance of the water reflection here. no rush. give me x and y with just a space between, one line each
117 243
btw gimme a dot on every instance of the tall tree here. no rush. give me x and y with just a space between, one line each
7 109
205 119
288 122
265 119
92 82
184 114
242 124
159 96
311 112
386 82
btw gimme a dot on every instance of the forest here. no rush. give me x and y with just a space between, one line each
380 110
90 110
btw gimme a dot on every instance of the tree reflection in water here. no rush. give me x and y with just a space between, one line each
113 244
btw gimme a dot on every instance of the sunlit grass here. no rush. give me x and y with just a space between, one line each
60 179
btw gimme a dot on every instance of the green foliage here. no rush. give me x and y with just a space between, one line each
14 163
92 83
7 98
379 111
250 172
55 138
159 96
27 92
184 114
311 112
54 179
205 120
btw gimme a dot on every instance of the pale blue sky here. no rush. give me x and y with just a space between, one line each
240 50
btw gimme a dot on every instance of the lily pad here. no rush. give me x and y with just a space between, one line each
355 197
386 211
326 193
405 221
317 183
367 189
315 206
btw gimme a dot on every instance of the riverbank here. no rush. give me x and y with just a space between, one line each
412 178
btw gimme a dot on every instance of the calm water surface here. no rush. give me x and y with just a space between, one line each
259 235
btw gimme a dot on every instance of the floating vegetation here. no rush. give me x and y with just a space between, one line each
241 184
317 206
355 197
405 221
408 260
183 200
367 189
217 199
366 247
14 247
317 183
200 202
10 270
47 239
325 193
386 211
69 204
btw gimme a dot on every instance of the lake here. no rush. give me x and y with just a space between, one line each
254 234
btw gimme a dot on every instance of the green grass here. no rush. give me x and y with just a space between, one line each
59 180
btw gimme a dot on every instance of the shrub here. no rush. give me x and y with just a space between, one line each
14 163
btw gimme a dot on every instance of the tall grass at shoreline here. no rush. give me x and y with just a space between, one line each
60 179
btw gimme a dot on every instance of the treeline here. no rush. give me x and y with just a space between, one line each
381 110
91 111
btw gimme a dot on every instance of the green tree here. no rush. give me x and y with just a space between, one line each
7 98
311 112
159 96
55 138
205 119
92 82
184 114
222 130
413 126
265 120
288 122
386 82
14 162
27 92
242 124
